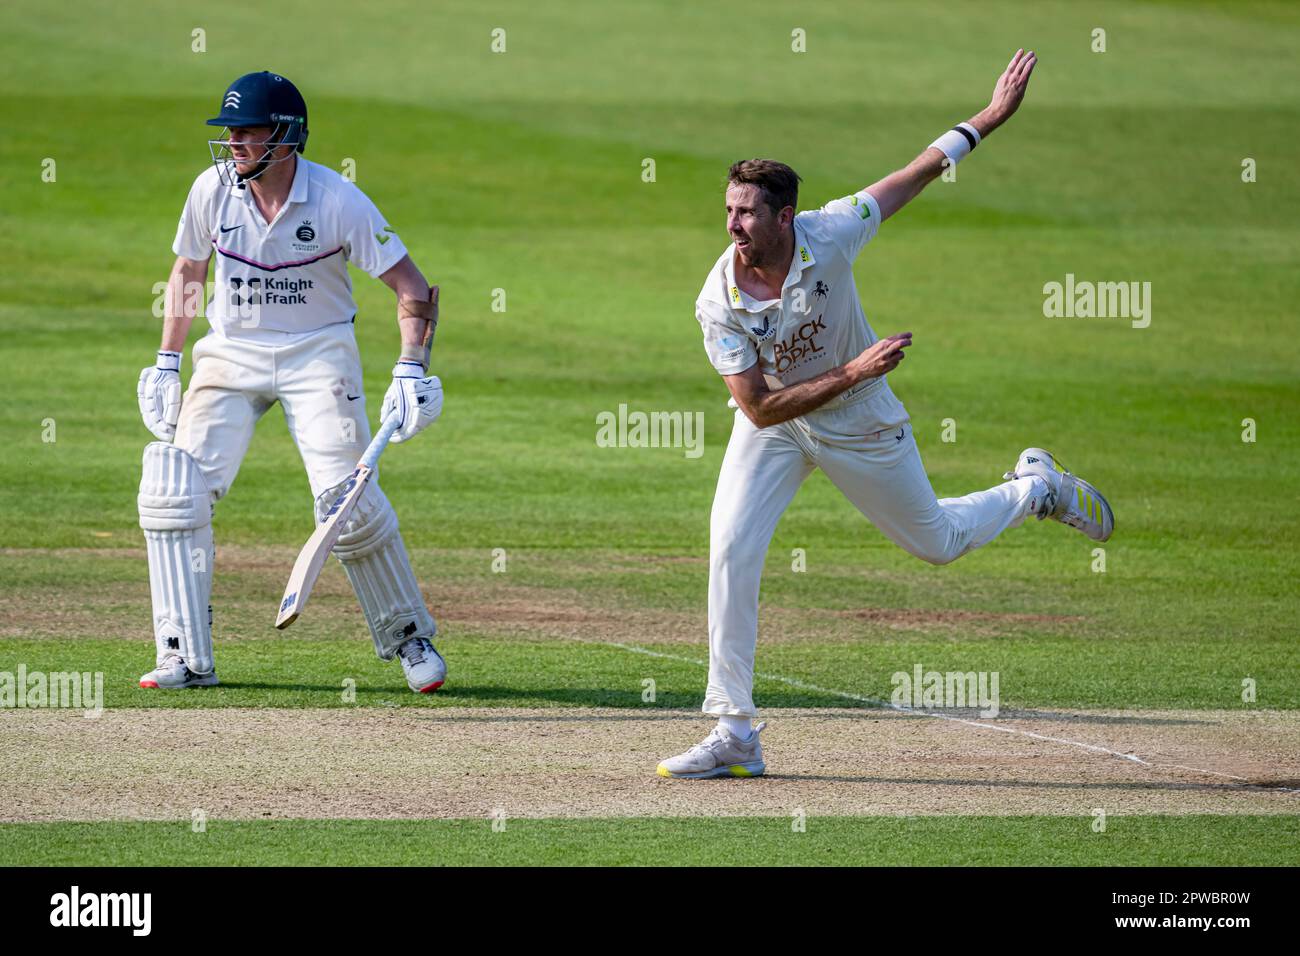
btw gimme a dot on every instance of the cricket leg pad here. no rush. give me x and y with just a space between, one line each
176 517
374 558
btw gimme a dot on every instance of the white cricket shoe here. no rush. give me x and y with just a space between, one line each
1070 499
173 674
720 754
424 666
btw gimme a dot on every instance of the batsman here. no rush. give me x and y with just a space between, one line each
282 230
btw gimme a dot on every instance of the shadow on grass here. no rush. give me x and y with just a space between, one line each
1157 785
630 699
485 694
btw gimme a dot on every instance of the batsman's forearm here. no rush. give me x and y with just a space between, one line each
774 407
186 296
413 298
411 324
176 329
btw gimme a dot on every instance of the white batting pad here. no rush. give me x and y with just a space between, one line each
176 515
374 558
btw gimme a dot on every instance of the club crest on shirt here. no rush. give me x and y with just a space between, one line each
305 235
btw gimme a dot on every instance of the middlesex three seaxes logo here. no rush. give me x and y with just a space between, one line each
232 99
305 232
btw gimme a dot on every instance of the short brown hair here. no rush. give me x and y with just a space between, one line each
777 181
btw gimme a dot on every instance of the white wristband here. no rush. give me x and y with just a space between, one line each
957 142
169 361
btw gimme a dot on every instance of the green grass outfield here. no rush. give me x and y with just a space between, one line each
503 671
522 171
728 841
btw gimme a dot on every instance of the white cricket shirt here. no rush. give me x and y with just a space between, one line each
277 281
817 323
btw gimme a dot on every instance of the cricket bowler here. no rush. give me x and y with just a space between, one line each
282 229
783 325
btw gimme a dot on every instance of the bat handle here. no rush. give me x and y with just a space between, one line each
377 444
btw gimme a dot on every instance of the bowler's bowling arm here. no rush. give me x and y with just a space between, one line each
902 186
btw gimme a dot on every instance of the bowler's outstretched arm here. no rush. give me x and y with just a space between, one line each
902 186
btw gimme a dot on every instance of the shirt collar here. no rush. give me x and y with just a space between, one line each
298 191
803 257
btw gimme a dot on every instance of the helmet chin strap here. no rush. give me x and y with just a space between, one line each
262 166
264 163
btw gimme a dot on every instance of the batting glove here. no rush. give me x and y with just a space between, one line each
417 399
159 392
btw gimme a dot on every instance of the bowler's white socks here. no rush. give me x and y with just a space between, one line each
739 726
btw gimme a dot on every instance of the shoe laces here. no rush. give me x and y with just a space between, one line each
172 660
708 743
413 650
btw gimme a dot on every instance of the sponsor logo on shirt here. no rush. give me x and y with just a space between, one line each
803 255
766 331
800 347
733 347
269 290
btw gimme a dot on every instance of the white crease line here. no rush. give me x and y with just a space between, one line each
877 702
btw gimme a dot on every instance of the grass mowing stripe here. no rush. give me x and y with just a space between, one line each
507 671
729 841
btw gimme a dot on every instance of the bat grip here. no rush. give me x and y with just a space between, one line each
376 446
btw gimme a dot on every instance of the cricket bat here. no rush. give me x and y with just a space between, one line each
314 554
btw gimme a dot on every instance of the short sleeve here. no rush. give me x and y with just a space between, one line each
729 349
852 222
369 241
194 231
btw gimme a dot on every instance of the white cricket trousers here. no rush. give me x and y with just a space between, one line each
880 472
317 381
